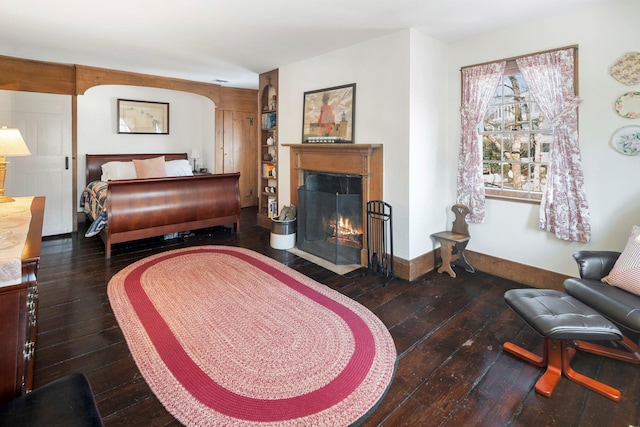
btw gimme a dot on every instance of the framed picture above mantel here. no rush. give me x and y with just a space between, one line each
328 115
143 117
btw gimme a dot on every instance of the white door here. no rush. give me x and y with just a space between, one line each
44 121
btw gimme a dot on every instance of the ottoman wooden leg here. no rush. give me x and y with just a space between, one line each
556 358
548 381
526 355
551 359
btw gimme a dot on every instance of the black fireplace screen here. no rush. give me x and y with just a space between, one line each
330 217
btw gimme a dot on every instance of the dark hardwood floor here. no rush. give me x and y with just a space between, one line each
448 333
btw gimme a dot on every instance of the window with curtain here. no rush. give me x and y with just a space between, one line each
519 139
515 140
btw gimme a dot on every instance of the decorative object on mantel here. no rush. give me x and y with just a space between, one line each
626 140
627 69
628 105
11 144
328 115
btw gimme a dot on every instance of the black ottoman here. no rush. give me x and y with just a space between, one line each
558 317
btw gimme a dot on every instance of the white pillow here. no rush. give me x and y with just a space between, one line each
112 171
179 168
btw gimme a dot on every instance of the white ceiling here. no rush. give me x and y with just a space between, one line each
234 40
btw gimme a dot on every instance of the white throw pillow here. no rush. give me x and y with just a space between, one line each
626 271
179 168
112 171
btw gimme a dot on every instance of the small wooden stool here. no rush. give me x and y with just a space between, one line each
454 242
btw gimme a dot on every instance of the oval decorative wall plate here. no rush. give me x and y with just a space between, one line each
627 69
626 140
628 105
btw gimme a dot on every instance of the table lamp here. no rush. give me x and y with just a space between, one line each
11 144
195 154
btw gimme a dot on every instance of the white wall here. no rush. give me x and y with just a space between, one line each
381 70
603 35
427 173
191 125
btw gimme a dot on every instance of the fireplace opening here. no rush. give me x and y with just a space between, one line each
330 217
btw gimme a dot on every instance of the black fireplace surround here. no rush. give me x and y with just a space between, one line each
330 217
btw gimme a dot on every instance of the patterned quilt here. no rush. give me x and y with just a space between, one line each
94 202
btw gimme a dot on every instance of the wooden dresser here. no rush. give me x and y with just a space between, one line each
18 312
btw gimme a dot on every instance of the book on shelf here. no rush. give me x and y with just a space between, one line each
268 170
272 207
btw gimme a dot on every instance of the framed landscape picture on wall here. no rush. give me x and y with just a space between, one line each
328 115
143 117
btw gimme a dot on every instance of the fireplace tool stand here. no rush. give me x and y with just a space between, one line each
380 238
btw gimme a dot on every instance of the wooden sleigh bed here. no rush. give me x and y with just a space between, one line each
141 208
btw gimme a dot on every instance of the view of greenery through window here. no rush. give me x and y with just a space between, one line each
515 140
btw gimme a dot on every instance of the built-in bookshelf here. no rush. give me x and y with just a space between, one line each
268 152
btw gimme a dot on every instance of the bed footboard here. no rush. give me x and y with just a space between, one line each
138 209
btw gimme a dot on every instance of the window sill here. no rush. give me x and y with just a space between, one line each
513 196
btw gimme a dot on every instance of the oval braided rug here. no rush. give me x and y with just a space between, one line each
227 336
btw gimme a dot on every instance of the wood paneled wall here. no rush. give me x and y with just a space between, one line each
235 99
37 76
70 79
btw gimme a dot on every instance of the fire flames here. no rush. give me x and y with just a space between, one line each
344 231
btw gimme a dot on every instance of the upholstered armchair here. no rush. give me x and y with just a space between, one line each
616 304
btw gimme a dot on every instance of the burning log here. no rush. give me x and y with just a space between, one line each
343 231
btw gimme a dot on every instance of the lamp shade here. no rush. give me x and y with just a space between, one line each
195 154
11 143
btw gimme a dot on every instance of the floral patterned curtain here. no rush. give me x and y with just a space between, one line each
479 83
564 210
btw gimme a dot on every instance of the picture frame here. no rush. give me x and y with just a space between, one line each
328 115
142 117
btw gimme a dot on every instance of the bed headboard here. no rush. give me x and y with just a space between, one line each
95 161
